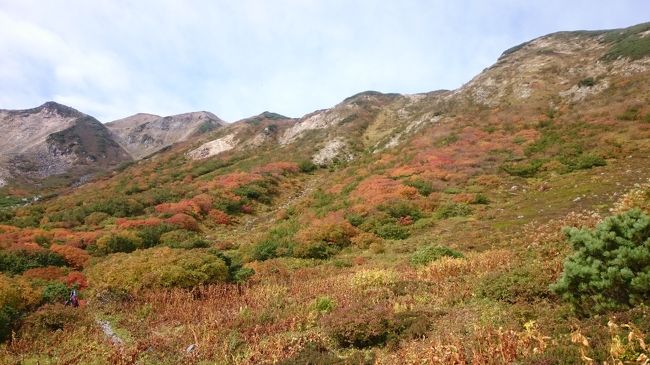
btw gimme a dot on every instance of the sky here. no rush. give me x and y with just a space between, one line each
238 58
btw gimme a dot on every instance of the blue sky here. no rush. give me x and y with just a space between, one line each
237 58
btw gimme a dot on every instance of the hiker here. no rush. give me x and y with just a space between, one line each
74 299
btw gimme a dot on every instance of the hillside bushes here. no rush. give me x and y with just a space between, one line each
160 267
610 268
365 324
15 262
427 254
16 296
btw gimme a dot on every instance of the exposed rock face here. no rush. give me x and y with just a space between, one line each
54 139
553 64
260 131
144 134
333 150
213 148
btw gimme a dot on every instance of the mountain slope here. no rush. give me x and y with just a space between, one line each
54 139
144 134
430 233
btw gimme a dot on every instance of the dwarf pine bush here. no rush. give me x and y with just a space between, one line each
610 268
427 254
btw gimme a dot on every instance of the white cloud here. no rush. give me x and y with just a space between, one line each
237 58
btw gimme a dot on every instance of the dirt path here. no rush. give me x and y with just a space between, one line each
270 216
109 333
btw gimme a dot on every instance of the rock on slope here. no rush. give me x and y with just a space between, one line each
54 139
144 134
260 131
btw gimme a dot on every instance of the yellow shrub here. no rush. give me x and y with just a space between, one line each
160 267
368 279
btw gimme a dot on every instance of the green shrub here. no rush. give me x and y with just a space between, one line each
8 317
182 238
583 162
240 274
401 209
154 268
518 285
25 222
315 250
265 250
610 268
427 254
278 242
117 242
6 214
391 230
55 292
528 169
306 166
150 235
229 206
117 207
15 262
355 219
631 46
481 199
261 190
323 304
452 190
424 187
95 218
587 82
453 210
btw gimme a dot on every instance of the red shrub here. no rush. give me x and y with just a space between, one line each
137 223
184 221
220 217
75 278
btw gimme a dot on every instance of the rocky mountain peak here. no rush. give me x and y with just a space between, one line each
143 134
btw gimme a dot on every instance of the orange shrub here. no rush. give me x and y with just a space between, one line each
220 217
45 273
75 239
74 256
376 189
365 239
235 180
204 202
137 223
184 206
333 229
183 221
466 198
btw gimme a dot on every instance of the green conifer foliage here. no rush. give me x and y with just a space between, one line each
610 268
